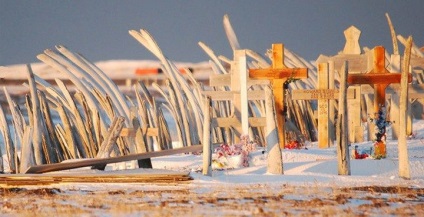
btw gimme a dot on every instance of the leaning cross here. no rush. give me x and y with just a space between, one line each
379 78
278 75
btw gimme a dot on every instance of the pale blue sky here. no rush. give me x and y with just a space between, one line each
99 29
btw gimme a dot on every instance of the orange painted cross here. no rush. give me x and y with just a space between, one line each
278 74
379 78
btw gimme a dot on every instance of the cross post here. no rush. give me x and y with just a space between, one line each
279 74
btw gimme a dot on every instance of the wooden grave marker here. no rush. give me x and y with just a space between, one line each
238 83
352 54
379 78
279 74
240 120
323 95
352 46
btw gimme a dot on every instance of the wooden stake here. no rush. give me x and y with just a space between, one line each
393 34
36 124
51 150
207 143
342 131
275 162
403 107
27 153
9 145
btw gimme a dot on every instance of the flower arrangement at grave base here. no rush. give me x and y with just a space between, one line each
293 141
362 153
233 156
380 133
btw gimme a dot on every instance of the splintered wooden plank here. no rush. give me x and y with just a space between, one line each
141 175
102 161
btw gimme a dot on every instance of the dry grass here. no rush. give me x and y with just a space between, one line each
190 200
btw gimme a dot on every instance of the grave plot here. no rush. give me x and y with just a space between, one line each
240 120
379 77
279 75
323 95
363 107
357 61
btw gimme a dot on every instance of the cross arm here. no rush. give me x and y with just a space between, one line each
295 73
376 78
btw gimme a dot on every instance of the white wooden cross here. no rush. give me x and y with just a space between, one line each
323 95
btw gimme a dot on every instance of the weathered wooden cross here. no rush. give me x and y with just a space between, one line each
239 120
323 94
379 78
279 74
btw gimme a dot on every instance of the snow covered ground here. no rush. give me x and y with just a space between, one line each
307 166
310 186
314 166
